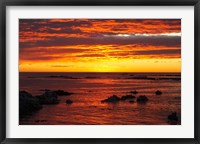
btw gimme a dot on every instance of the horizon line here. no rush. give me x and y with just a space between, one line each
90 72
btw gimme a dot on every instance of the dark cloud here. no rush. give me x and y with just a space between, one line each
166 53
90 55
39 57
159 52
42 29
168 41
68 50
44 25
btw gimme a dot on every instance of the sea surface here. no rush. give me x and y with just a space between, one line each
90 88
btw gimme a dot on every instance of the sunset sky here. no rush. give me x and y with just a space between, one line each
100 45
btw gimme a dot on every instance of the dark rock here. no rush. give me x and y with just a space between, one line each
62 93
131 101
127 97
173 117
27 103
142 99
49 97
68 101
111 99
134 92
158 92
50 94
37 121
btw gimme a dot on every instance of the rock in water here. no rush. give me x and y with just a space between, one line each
142 99
27 103
131 101
127 97
158 92
68 101
62 93
173 117
49 97
50 94
111 99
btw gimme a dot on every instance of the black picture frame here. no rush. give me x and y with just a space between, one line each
5 3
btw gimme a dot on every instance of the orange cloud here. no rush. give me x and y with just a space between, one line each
132 26
99 44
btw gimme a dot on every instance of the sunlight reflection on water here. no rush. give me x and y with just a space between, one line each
91 88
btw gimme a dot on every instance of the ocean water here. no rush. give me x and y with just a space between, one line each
90 88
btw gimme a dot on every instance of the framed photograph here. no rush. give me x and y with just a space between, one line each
91 71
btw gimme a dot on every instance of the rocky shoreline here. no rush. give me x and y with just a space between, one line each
28 104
